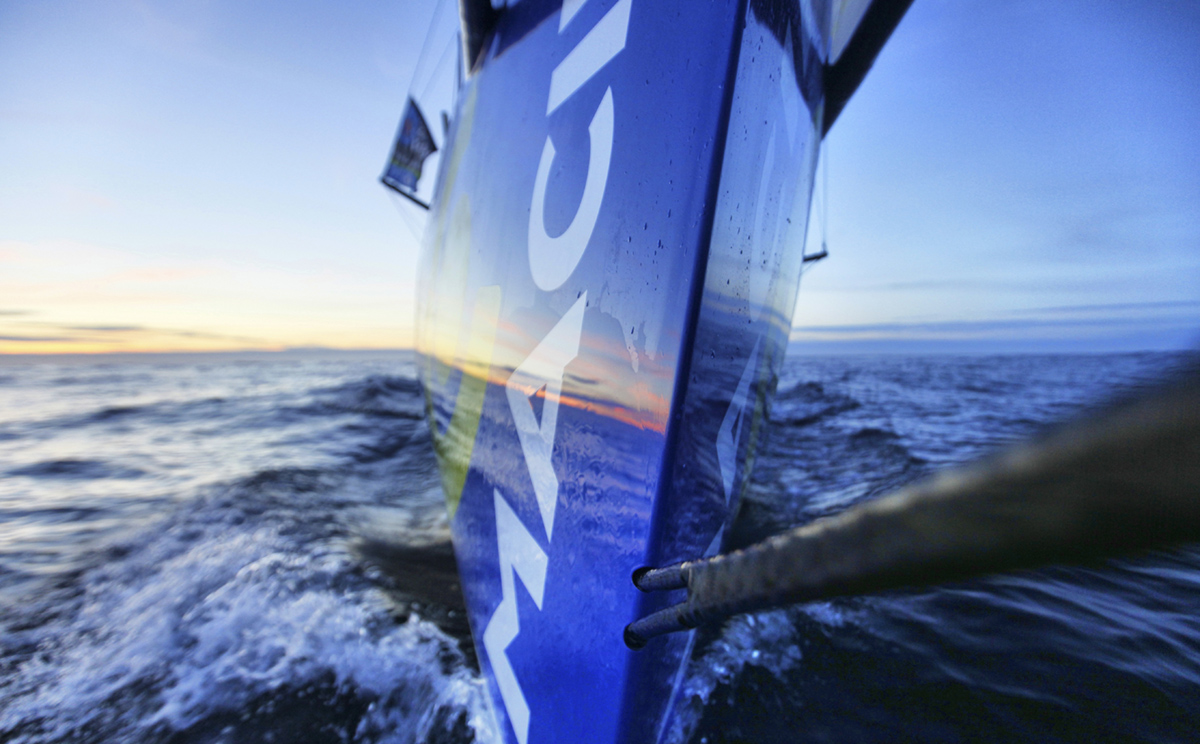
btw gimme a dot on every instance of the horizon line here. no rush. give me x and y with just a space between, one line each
194 352
795 347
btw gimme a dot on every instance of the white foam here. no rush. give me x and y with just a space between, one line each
766 640
194 624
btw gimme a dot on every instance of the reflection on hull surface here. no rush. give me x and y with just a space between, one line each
611 263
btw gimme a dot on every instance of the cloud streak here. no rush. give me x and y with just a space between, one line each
38 339
1163 326
1118 306
63 337
985 326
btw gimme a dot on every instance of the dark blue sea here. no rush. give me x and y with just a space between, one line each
253 549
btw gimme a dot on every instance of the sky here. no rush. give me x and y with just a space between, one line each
202 175
1017 176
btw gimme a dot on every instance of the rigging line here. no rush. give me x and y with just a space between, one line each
451 43
403 208
819 211
437 9
818 194
824 163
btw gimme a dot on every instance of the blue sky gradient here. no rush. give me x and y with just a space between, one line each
202 175
1021 174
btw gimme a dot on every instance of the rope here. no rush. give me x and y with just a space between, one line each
437 9
403 208
1122 481
820 210
451 43
824 163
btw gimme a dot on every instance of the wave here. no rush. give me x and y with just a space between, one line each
238 615
746 648
376 395
77 469
311 594
162 413
808 403
870 436
262 607
114 412
101 378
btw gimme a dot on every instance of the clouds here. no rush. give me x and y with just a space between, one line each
23 332
76 296
1185 306
37 339
202 175
1133 326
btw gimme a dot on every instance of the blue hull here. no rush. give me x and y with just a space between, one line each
610 268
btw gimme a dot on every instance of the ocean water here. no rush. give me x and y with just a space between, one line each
253 549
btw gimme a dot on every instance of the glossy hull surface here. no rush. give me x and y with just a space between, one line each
607 284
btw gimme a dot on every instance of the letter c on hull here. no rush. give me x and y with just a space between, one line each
552 260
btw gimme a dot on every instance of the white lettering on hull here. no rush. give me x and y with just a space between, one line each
597 49
730 433
569 9
551 263
519 551
520 555
552 260
544 368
